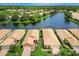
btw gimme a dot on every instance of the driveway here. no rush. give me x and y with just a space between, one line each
3 52
26 51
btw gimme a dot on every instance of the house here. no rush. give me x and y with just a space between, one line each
30 42
31 38
15 35
64 34
50 39
4 33
18 34
75 32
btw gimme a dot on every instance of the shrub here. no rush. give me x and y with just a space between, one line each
50 52
47 47
13 48
67 52
66 42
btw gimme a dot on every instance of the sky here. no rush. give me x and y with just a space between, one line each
39 4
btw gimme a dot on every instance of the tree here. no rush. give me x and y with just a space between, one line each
15 16
13 48
24 17
3 16
44 14
20 26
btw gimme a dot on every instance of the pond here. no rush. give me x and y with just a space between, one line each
56 21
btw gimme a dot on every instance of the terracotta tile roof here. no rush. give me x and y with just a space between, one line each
17 34
64 34
49 37
10 39
31 36
75 15
75 32
3 32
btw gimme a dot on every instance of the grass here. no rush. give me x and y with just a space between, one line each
39 51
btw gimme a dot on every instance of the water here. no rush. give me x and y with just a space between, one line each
56 21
